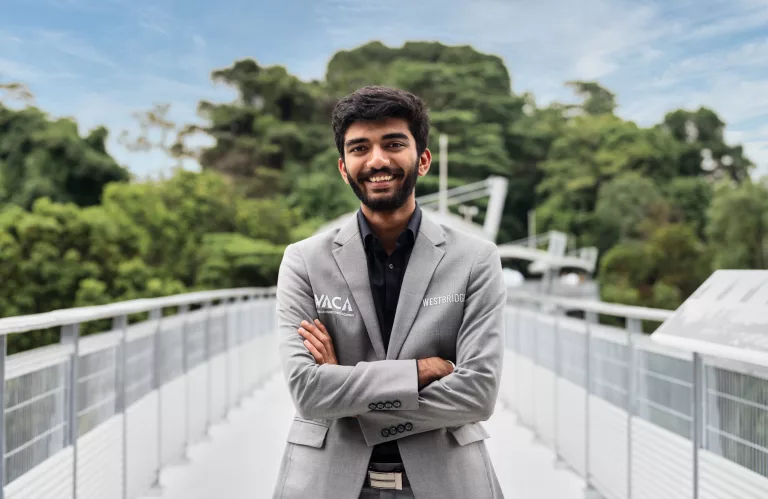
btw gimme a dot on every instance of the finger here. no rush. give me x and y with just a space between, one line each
322 328
323 336
318 357
313 340
313 330
326 339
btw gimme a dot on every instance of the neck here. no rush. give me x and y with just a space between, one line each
388 225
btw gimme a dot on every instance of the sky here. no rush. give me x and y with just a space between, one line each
100 61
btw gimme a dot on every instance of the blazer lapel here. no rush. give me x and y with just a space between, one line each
425 257
350 257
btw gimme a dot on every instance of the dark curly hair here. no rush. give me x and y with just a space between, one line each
374 103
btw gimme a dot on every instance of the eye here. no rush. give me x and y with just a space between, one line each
357 149
397 144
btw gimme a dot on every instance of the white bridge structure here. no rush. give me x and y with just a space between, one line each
181 397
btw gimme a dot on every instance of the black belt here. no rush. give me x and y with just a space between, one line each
389 476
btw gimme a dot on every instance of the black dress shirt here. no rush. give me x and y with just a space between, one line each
385 273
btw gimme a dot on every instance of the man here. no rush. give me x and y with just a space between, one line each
390 329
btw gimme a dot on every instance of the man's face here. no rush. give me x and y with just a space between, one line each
380 163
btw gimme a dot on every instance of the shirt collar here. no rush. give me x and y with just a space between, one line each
367 234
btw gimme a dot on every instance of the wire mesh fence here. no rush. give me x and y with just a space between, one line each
640 412
142 394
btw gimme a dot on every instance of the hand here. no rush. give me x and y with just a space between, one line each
318 342
433 369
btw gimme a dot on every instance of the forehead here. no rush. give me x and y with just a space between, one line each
374 129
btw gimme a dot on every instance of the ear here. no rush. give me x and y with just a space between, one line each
342 170
425 161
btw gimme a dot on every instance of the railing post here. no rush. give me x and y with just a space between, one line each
120 323
634 326
183 310
536 364
208 368
516 342
70 335
3 354
226 304
242 340
242 304
156 314
698 375
557 312
591 319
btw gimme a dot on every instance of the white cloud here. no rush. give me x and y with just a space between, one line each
199 41
656 56
71 44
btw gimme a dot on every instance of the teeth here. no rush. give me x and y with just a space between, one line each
380 178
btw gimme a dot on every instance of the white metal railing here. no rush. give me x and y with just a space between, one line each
100 416
635 418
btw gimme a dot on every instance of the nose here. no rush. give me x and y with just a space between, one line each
378 158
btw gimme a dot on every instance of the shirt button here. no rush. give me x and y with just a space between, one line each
391 266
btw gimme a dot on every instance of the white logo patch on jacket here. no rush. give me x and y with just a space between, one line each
438 300
334 305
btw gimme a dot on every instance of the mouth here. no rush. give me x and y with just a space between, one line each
382 181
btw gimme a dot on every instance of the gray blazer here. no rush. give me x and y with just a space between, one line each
451 306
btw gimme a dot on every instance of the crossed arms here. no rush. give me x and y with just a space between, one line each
325 390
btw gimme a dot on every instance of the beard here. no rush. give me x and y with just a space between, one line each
392 200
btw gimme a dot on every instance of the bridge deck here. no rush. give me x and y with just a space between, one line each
241 459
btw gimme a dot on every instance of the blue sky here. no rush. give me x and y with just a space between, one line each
102 60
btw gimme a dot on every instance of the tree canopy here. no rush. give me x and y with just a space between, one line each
665 204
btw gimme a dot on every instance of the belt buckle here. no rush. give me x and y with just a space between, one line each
381 480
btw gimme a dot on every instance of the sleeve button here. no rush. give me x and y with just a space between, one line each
408 426
380 405
396 403
400 428
393 430
388 405
372 407
385 433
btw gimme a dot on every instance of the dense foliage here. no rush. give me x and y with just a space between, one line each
665 205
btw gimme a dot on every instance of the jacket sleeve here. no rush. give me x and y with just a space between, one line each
331 391
469 394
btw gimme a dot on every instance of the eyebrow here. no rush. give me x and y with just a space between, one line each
389 136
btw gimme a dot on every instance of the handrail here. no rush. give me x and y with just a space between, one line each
612 309
620 407
78 315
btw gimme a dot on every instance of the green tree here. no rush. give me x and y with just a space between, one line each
40 157
597 99
738 226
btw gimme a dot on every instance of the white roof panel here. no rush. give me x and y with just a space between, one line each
727 317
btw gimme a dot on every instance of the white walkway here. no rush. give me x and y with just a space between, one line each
241 459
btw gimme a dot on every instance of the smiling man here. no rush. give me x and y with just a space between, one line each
390 329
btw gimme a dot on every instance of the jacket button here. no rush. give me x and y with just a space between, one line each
408 426
400 428
380 405
385 432
396 403
372 407
393 430
388 405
